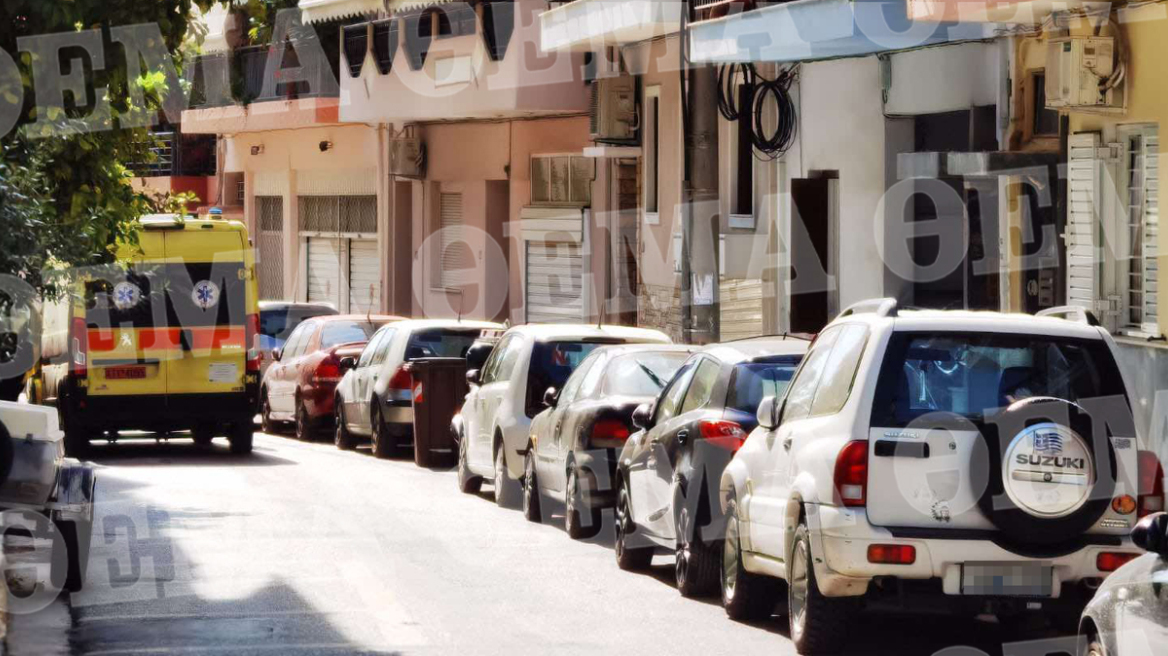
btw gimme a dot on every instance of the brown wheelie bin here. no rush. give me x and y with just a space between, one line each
439 390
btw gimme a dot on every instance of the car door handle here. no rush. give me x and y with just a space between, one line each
683 436
787 443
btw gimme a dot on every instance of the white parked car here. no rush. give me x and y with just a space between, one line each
374 399
493 426
979 460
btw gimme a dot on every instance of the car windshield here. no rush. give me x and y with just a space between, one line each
344 332
441 343
974 375
551 365
754 381
276 325
641 374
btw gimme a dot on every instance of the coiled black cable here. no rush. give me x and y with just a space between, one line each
749 110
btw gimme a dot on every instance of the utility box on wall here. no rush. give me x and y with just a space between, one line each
1076 69
407 158
614 109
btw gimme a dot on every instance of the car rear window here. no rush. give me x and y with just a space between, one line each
276 325
754 381
344 332
972 375
551 365
641 374
441 343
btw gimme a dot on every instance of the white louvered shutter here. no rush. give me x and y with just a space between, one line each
1143 229
455 261
324 271
1083 236
364 276
554 282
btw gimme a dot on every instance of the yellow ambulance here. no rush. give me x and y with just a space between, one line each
165 341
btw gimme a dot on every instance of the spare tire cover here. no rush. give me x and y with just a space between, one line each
1052 471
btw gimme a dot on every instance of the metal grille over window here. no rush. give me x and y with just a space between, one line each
456 260
271 266
562 180
1143 225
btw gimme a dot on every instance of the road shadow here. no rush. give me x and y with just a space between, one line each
145 450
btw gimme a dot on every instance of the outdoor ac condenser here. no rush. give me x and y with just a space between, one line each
407 158
614 109
1075 67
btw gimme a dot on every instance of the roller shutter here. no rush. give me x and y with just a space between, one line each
271 264
1083 222
741 309
364 276
554 278
324 271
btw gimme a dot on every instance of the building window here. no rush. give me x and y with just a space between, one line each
743 158
1142 223
1045 121
652 154
562 180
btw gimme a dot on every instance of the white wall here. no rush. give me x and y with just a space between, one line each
944 79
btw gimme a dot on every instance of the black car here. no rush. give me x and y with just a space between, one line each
571 453
668 472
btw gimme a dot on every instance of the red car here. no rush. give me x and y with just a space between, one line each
298 386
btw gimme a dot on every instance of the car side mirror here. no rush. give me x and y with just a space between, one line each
348 363
1151 534
276 354
550 396
474 376
643 416
767 415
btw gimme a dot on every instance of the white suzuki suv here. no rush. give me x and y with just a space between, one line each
982 461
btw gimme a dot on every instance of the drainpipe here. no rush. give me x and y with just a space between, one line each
699 243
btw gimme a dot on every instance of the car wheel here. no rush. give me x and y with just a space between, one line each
819 624
304 430
628 557
577 510
745 596
67 570
203 434
506 490
242 437
696 566
343 439
1092 646
532 497
267 424
468 483
382 448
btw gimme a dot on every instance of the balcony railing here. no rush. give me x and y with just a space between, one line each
240 78
172 154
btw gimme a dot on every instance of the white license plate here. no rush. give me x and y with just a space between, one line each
1007 579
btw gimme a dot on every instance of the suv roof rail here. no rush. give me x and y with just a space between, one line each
1070 313
881 307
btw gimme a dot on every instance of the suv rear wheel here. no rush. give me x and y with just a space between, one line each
304 428
628 557
818 624
745 596
343 439
532 497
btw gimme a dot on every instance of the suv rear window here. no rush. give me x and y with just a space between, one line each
972 375
345 332
551 365
440 343
754 381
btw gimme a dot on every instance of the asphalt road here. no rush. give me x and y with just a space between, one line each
300 548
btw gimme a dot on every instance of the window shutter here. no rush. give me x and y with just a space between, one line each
1143 229
1083 238
454 262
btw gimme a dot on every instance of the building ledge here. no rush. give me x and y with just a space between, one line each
589 25
262 116
1006 12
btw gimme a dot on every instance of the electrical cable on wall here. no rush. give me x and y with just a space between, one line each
749 110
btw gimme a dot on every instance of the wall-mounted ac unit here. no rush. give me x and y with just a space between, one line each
614 109
1075 69
407 158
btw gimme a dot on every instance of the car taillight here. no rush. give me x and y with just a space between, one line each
1151 483
1109 561
252 343
610 429
726 434
79 339
851 474
327 370
892 554
401 386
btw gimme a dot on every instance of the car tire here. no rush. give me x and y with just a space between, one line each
577 509
1092 646
382 449
468 483
628 557
745 596
242 437
507 491
76 437
267 424
818 624
343 439
68 571
304 428
696 565
532 496
203 434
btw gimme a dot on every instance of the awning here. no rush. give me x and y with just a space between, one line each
396 6
807 30
319 11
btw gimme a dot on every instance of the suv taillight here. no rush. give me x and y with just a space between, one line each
851 474
1151 483
724 433
79 345
401 386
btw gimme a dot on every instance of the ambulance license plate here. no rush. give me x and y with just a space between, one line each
125 373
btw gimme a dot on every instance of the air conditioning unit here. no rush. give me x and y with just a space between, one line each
1075 67
407 158
614 109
